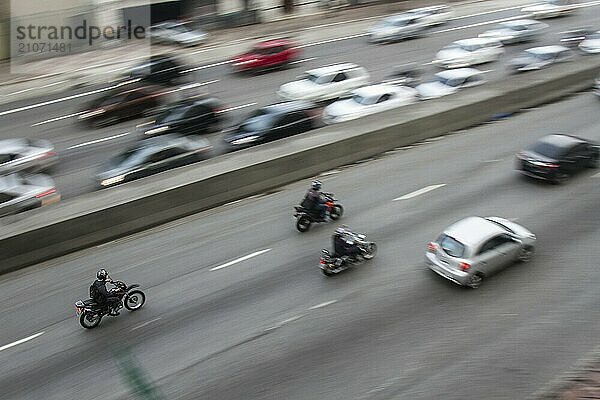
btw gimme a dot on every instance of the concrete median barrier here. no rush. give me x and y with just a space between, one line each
108 214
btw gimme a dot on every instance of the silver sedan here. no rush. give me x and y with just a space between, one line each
21 193
26 154
475 247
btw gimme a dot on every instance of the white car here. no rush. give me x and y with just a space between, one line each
433 15
449 82
540 57
549 9
396 27
591 44
176 33
369 100
325 83
522 30
467 52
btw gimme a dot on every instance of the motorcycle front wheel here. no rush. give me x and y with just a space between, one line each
89 320
370 251
336 212
134 300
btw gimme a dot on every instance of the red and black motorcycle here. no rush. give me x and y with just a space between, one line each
305 217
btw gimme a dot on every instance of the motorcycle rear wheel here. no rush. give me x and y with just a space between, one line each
303 223
89 320
134 300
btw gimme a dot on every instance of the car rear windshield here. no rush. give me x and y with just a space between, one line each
547 149
258 123
174 114
451 246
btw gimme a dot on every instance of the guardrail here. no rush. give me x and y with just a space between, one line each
108 214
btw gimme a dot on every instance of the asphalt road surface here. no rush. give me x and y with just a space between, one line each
271 326
82 150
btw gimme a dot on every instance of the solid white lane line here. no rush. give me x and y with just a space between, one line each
98 140
28 338
57 119
145 323
236 107
206 66
303 60
284 322
333 40
419 192
238 260
62 99
35 88
321 305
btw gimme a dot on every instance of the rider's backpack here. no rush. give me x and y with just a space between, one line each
94 293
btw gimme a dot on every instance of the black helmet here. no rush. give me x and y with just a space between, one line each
316 185
102 274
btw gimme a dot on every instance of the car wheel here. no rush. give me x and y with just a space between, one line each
475 280
526 254
560 178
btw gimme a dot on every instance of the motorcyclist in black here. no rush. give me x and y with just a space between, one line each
313 200
102 295
343 244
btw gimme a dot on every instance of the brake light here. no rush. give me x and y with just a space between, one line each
431 246
314 112
464 266
47 154
322 262
550 165
46 193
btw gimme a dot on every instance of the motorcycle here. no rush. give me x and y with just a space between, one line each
90 313
331 265
305 218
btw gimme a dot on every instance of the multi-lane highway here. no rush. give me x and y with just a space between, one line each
82 149
219 325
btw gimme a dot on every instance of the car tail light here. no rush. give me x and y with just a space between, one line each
464 266
432 247
547 165
322 262
47 154
314 112
46 193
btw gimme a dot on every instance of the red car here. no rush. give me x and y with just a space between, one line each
268 54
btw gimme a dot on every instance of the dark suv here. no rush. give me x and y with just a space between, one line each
191 116
161 69
274 122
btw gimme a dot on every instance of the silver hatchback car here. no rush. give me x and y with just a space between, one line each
476 247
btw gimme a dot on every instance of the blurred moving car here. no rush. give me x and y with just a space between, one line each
267 54
151 156
22 154
397 27
25 192
325 83
540 57
475 248
369 100
549 9
273 122
467 52
405 75
556 157
433 15
171 32
449 82
518 31
191 116
591 44
573 37
117 105
159 69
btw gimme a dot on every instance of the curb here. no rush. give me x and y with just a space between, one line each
553 389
